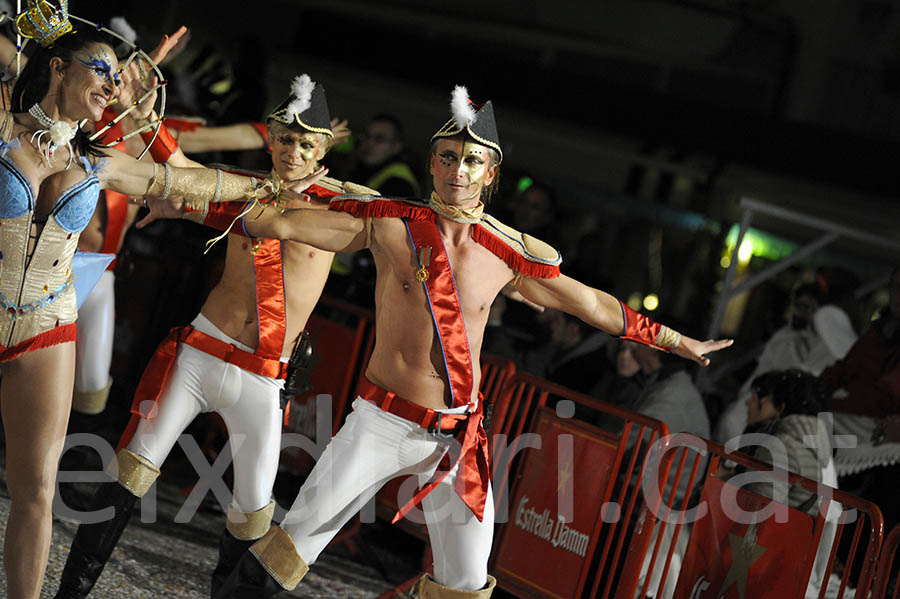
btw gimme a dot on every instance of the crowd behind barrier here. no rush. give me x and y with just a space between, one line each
579 516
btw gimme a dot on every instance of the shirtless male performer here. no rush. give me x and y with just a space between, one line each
419 398
232 359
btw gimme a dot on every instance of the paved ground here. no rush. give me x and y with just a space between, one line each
169 560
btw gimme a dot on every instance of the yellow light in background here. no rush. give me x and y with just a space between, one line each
725 262
634 300
745 252
651 302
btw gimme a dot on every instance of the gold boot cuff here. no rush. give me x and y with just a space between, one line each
278 555
135 473
249 526
427 588
91 402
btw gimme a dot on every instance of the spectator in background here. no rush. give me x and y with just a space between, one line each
809 342
786 404
863 391
619 387
870 373
380 161
667 393
535 211
532 211
573 354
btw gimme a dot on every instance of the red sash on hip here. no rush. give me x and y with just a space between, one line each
473 476
265 360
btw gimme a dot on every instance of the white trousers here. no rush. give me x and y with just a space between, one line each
94 346
249 403
371 448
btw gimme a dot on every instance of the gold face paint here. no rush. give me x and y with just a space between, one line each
460 169
294 153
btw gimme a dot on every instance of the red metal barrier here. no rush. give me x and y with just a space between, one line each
726 558
587 544
888 568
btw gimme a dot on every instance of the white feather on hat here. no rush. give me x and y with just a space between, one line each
461 108
301 89
121 26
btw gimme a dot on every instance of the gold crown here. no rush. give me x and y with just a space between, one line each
44 23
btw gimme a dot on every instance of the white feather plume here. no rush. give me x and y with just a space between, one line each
460 107
121 26
301 90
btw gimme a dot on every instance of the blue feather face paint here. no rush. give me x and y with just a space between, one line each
100 64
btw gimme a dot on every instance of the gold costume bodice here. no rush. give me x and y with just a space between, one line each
36 286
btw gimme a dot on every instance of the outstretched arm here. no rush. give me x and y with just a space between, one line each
324 229
133 177
603 311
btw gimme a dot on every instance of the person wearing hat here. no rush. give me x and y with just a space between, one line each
232 359
418 410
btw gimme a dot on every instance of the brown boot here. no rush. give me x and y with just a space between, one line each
427 588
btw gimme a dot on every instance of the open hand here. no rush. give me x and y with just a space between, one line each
696 350
134 85
293 190
340 130
168 45
172 207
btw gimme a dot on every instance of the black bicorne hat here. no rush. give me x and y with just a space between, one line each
476 121
306 106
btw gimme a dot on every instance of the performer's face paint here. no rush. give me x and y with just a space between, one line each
91 83
295 153
461 169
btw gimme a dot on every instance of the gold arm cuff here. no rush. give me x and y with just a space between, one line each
277 553
91 402
157 182
202 185
249 526
135 473
668 338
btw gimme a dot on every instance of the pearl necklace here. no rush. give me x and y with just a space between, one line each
59 134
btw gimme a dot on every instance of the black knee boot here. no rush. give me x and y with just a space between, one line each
283 570
94 543
248 580
230 552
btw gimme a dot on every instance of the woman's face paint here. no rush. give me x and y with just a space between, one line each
87 91
101 64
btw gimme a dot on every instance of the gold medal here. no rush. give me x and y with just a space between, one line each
424 256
